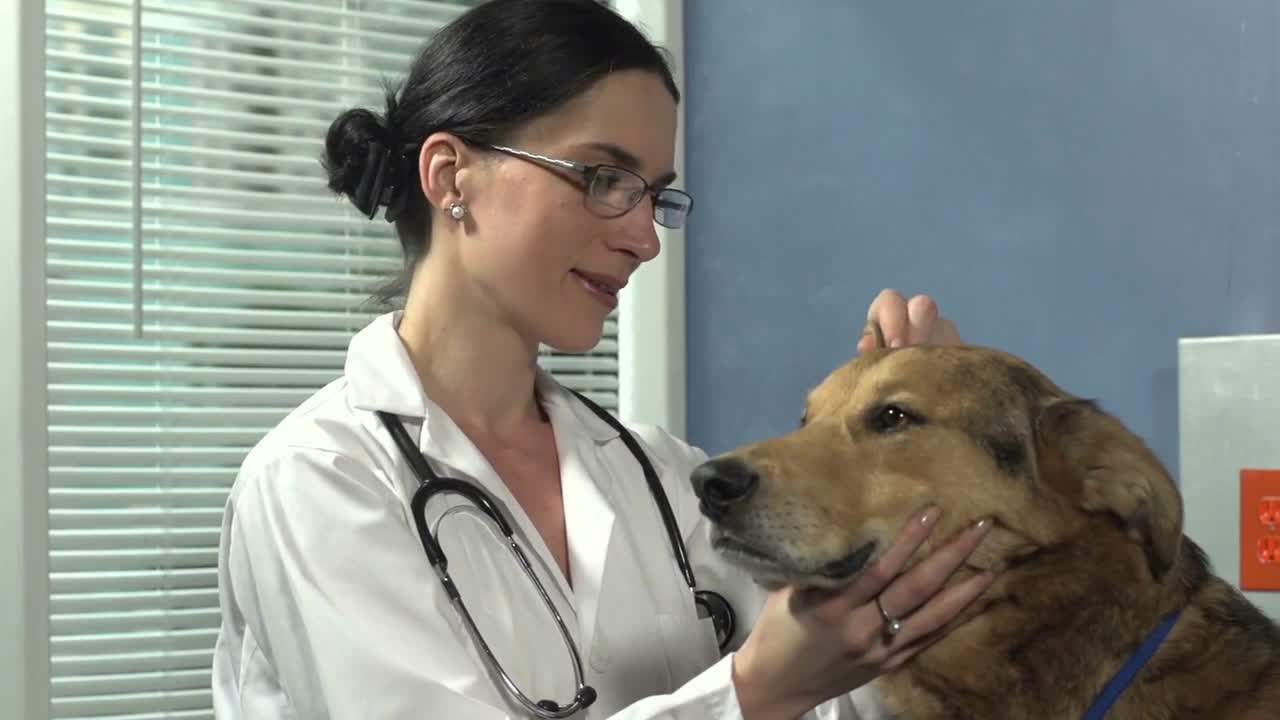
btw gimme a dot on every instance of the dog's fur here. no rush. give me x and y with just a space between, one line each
1087 534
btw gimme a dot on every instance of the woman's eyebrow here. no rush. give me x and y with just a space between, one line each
620 156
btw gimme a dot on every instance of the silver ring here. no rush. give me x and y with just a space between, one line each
892 626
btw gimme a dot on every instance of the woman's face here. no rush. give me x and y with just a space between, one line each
548 264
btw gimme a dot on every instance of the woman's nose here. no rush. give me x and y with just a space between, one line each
639 233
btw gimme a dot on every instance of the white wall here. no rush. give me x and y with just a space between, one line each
1228 392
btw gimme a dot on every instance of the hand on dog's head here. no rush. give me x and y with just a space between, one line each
872 330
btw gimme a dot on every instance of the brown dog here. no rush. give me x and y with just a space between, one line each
1088 531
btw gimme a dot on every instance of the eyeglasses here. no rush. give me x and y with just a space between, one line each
612 191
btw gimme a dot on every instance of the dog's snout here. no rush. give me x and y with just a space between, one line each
722 483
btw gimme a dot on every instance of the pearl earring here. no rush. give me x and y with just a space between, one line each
457 211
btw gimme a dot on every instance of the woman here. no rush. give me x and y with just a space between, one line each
524 163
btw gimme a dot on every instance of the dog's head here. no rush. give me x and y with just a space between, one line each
975 431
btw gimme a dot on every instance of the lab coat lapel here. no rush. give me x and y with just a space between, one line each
583 442
589 520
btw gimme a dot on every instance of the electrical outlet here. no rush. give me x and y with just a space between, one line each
1260 529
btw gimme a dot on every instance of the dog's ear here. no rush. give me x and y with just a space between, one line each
1093 458
872 328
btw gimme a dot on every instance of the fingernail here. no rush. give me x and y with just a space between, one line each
895 343
930 516
983 525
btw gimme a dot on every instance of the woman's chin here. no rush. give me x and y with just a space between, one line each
575 340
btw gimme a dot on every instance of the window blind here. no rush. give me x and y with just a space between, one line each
201 283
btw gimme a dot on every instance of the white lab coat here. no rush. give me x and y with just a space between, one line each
331 610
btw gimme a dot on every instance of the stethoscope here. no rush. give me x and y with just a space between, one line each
709 604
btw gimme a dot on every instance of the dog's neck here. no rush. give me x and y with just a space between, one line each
1044 635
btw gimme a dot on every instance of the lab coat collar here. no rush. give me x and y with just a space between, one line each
381 377
380 374
555 395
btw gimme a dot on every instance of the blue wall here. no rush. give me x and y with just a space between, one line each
1080 183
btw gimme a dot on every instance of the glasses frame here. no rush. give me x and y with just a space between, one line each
590 174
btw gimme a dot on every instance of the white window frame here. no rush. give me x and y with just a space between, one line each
24 588
651 311
651 352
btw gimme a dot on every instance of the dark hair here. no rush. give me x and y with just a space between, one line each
492 70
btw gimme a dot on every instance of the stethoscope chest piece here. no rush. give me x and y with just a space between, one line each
713 605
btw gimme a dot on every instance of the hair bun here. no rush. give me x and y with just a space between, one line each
351 142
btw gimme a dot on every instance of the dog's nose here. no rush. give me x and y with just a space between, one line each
722 483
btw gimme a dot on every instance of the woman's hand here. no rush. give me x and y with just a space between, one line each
809 646
905 322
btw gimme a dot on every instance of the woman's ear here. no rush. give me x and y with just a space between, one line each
439 161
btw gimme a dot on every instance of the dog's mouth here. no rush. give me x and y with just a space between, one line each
772 571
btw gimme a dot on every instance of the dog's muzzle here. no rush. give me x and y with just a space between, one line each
723 484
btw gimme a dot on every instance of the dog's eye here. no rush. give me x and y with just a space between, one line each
804 418
892 417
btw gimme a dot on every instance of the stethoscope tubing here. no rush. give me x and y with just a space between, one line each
430 485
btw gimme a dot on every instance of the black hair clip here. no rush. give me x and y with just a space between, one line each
369 191
380 185
394 196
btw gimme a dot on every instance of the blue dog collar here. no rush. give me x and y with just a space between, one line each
1122 679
